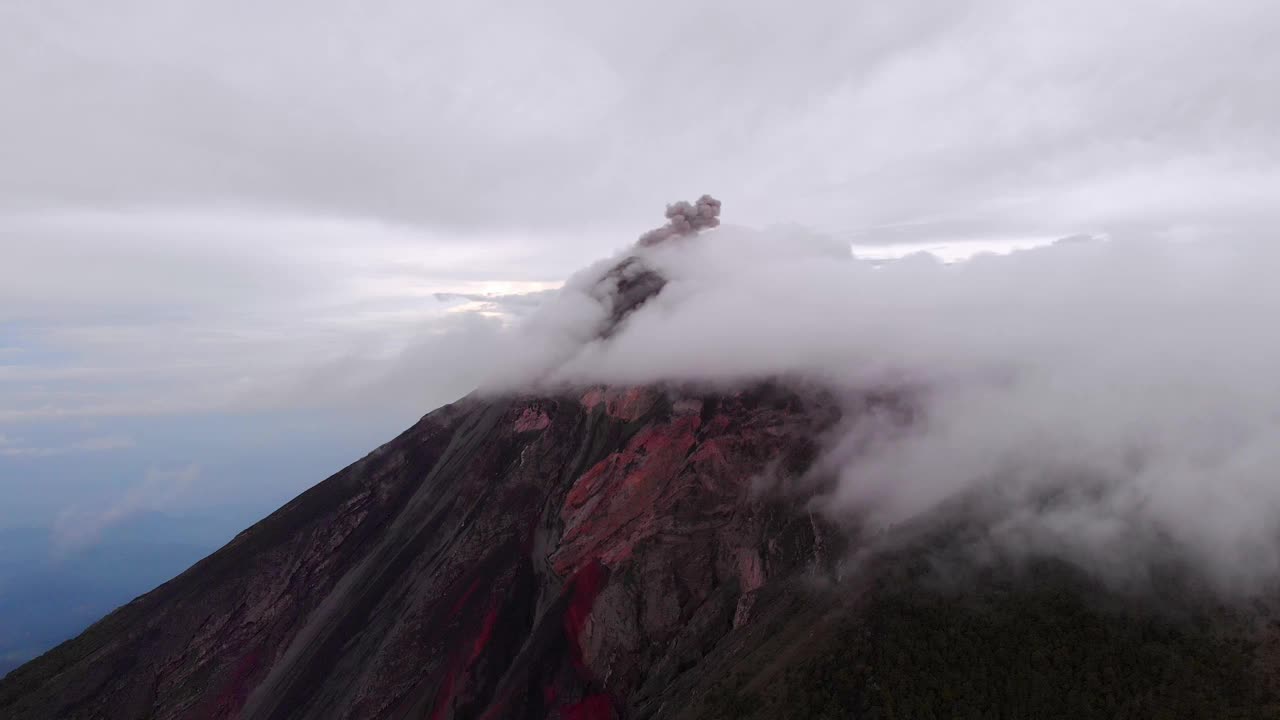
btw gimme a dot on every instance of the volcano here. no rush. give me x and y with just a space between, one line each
628 552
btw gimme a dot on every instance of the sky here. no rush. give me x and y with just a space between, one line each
241 243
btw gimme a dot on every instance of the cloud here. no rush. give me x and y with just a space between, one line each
79 526
495 304
1111 393
169 313
193 212
105 442
1008 116
16 449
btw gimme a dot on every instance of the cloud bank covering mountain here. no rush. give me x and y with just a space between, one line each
1115 395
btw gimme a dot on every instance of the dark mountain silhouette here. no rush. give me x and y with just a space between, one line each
631 552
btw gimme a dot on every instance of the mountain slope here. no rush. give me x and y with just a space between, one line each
638 552
519 557
619 553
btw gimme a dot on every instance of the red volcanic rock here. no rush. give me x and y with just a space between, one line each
593 707
624 404
532 419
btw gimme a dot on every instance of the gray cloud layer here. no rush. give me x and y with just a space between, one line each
228 195
966 119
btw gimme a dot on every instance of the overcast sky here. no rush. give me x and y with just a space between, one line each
213 209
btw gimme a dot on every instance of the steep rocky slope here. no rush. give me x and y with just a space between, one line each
629 553
522 557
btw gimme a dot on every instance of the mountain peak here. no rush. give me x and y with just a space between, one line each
631 282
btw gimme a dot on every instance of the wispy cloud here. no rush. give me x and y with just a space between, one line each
194 313
79 526
509 305
12 447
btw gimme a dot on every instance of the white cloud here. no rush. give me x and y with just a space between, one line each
105 442
79 526
10 447
1023 118
171 313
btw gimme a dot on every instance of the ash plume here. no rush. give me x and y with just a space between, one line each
685 218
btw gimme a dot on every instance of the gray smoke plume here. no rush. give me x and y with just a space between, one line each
684 218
